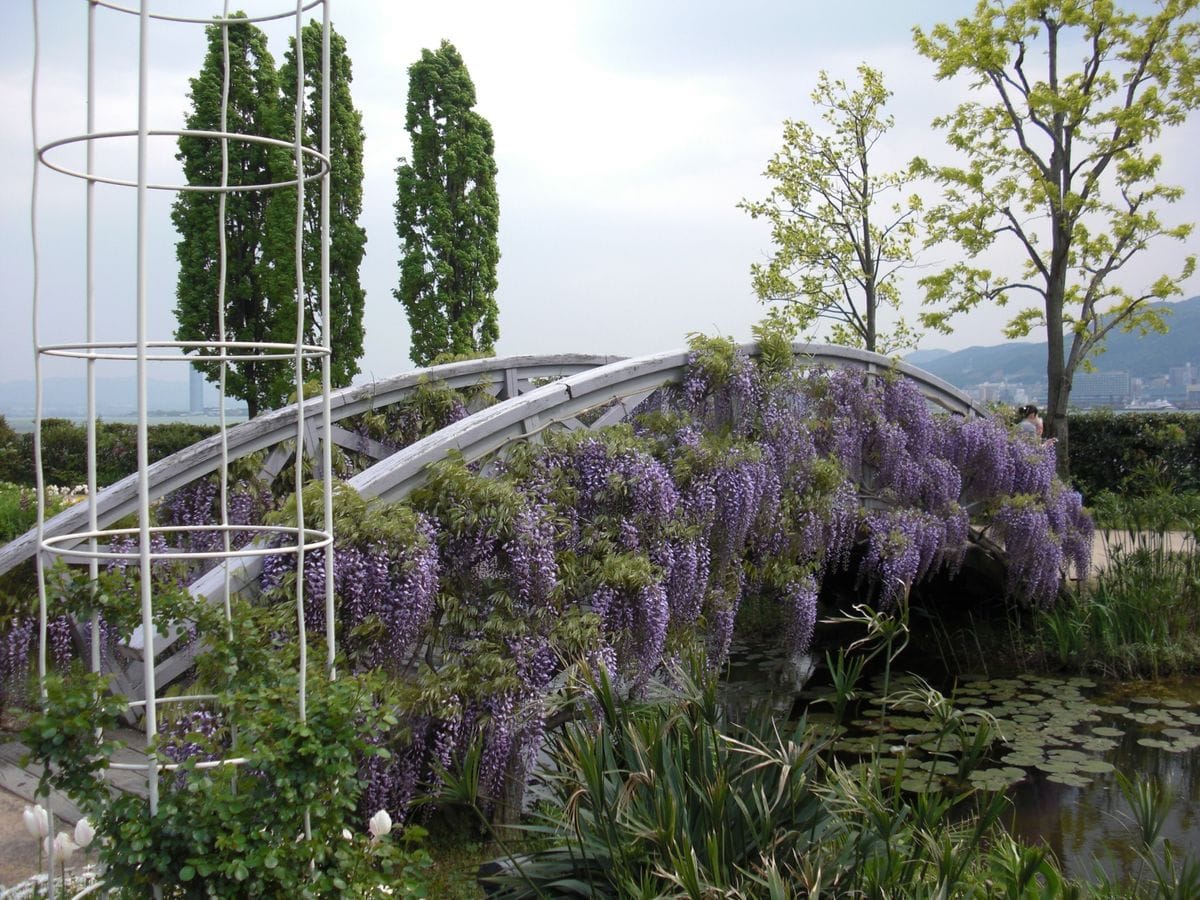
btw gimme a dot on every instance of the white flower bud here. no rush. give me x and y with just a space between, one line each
84 832
37 823
380 824
64 848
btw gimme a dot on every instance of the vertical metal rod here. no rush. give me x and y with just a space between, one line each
327 341
300 305
90 291
151 710
222 275
39 480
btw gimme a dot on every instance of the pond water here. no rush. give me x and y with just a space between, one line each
1064 741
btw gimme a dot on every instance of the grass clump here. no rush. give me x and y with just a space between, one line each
1140 616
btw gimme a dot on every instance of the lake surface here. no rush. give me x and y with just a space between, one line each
1064 741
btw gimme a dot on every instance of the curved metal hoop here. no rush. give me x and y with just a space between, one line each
308 539
272 351
323 167
215 20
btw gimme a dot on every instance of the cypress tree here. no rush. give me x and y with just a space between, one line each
258 231
347 240
447 213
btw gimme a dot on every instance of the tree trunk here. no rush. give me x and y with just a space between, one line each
871 316
1058 379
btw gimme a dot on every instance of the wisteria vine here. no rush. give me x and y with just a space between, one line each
632 545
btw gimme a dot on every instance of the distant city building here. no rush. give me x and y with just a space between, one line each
987 393
1192 398
195 390
1182 377
1102 389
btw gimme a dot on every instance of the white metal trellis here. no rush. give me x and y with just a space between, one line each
311 165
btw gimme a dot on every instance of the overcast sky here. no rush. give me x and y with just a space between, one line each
626 133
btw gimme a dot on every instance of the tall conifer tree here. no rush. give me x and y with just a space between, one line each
258 232
347 239
447 213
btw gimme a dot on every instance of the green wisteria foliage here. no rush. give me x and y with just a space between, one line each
1061 164
447 213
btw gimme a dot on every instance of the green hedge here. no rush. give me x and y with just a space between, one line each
1135 454
64 450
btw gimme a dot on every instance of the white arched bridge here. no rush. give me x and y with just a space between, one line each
532 393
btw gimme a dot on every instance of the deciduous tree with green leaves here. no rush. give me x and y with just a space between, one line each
447 213
1061 163
259 303
842 230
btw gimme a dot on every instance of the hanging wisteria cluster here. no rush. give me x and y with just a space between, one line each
199 505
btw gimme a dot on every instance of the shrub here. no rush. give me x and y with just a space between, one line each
64 450
1135 453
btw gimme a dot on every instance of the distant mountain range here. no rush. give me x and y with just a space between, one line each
1142 356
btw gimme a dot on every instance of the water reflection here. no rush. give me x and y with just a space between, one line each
1092 827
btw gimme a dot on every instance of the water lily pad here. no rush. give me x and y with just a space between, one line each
1053 766
1106 731
1154 742
857 744
1113 710
1023 760
1068 779
1175 704
1179 747
1095 766
1142 719
1176 733
996 779
1144 701
1099 745
937 766
1067 755
910 723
